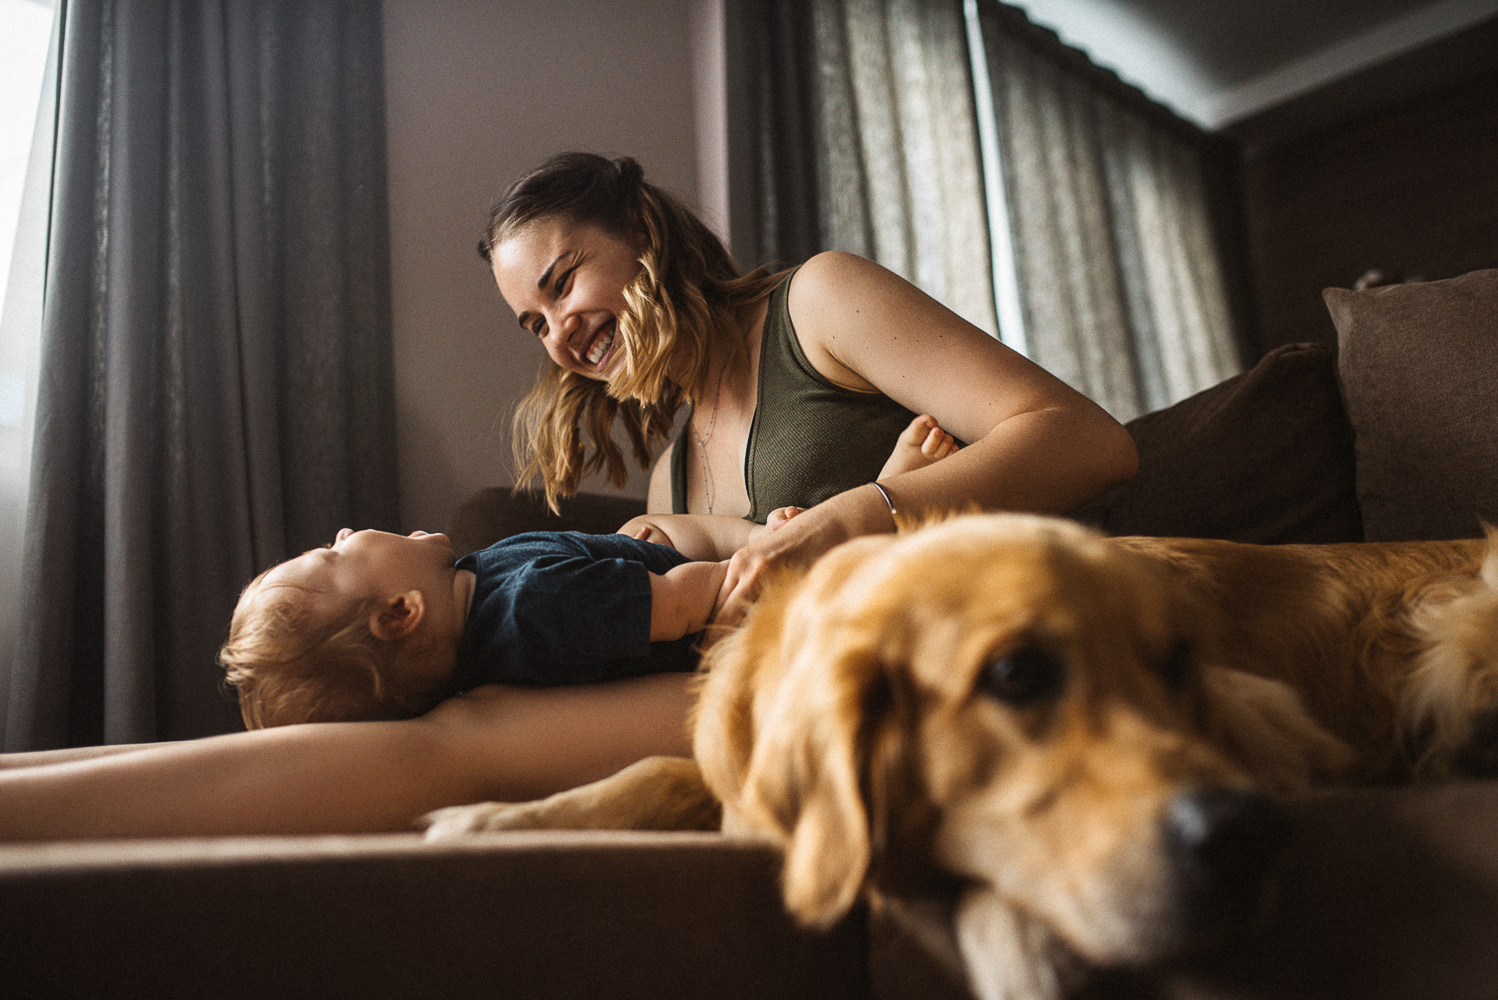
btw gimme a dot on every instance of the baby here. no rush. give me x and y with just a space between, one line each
380 626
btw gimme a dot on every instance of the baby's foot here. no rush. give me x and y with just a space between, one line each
921 444
780 515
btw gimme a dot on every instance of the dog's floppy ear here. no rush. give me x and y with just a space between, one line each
806 775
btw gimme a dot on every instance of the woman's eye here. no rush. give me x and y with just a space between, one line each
565 280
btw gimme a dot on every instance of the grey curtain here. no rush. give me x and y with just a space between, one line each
967 150
1113 243
867 142
216 372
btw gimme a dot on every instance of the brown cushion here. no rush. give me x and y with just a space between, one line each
1265 456
1419 369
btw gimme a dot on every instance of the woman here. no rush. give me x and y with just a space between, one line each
799 382
799 385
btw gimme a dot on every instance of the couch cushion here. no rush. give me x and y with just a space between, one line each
1265 456
1419 370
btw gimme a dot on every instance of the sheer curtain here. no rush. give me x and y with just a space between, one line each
960 146
1120 292
215 386
865 141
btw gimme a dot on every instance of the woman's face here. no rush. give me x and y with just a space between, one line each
565 282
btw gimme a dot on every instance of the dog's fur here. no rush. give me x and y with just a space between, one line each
1072 737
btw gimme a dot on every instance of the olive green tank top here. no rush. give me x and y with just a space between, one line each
810 439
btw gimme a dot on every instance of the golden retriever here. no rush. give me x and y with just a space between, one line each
1076 738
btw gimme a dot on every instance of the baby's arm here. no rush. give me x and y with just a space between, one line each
683 599
706 537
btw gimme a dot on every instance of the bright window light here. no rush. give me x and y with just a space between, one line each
25 31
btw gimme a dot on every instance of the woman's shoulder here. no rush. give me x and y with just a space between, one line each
831 267
836 281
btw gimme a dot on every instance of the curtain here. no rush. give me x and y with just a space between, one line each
1120 290
215 379
867 143
969 151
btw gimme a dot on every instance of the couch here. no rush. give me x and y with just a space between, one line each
1385 893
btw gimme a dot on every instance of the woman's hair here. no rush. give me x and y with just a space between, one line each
685 298
292 662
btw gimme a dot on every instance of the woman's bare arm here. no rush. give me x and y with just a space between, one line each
37 758
1033 442
493 743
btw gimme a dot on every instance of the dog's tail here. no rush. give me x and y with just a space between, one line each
1449 710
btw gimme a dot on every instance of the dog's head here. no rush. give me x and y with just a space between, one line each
996 704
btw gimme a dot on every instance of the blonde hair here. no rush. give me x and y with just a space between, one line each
291 662
686 297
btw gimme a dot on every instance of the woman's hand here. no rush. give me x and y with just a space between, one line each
795 538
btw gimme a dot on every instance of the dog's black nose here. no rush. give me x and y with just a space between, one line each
1221 844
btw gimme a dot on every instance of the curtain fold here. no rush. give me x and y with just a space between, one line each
1120 289
216 370
1000 171
867 142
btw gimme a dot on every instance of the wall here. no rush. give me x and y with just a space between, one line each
1411 190
477 92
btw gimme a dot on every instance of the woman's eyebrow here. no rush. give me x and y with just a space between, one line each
524 319
545 278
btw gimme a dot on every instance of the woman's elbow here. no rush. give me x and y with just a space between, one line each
1117 455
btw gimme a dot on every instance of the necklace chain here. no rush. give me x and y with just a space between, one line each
703 439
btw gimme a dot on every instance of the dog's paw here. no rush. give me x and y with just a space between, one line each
1009 955
461 821
657 793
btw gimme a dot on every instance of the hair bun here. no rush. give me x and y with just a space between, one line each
628 171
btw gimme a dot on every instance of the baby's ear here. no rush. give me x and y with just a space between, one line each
398 617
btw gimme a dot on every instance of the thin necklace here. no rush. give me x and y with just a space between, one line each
703 439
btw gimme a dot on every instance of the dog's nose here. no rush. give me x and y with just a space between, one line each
1221 844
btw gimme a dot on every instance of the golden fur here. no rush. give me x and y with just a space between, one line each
1070 736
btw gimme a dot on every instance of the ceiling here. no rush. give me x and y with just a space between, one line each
1218 62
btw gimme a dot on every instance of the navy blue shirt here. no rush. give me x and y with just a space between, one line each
564 607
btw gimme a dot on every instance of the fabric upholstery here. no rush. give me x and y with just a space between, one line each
1265 456
1419 370
539 916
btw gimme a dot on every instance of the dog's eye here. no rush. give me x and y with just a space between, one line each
1175 668
1022 677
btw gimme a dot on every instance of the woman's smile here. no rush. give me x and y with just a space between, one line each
601 348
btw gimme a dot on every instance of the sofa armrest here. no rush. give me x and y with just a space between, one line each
545 916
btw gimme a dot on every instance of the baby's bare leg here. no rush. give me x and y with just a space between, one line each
921 444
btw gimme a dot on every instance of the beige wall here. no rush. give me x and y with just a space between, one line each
477 92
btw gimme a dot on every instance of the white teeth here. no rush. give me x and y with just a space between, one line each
601 348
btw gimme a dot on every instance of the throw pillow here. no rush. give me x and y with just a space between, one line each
1419 371
1265 456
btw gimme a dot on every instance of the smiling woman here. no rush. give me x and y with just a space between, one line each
800 382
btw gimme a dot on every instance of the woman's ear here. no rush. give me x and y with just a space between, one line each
398 617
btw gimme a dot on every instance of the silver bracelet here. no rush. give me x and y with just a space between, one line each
885 493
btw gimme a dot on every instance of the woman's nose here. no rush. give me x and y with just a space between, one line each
560 327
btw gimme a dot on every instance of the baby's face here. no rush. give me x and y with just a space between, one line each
360 564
